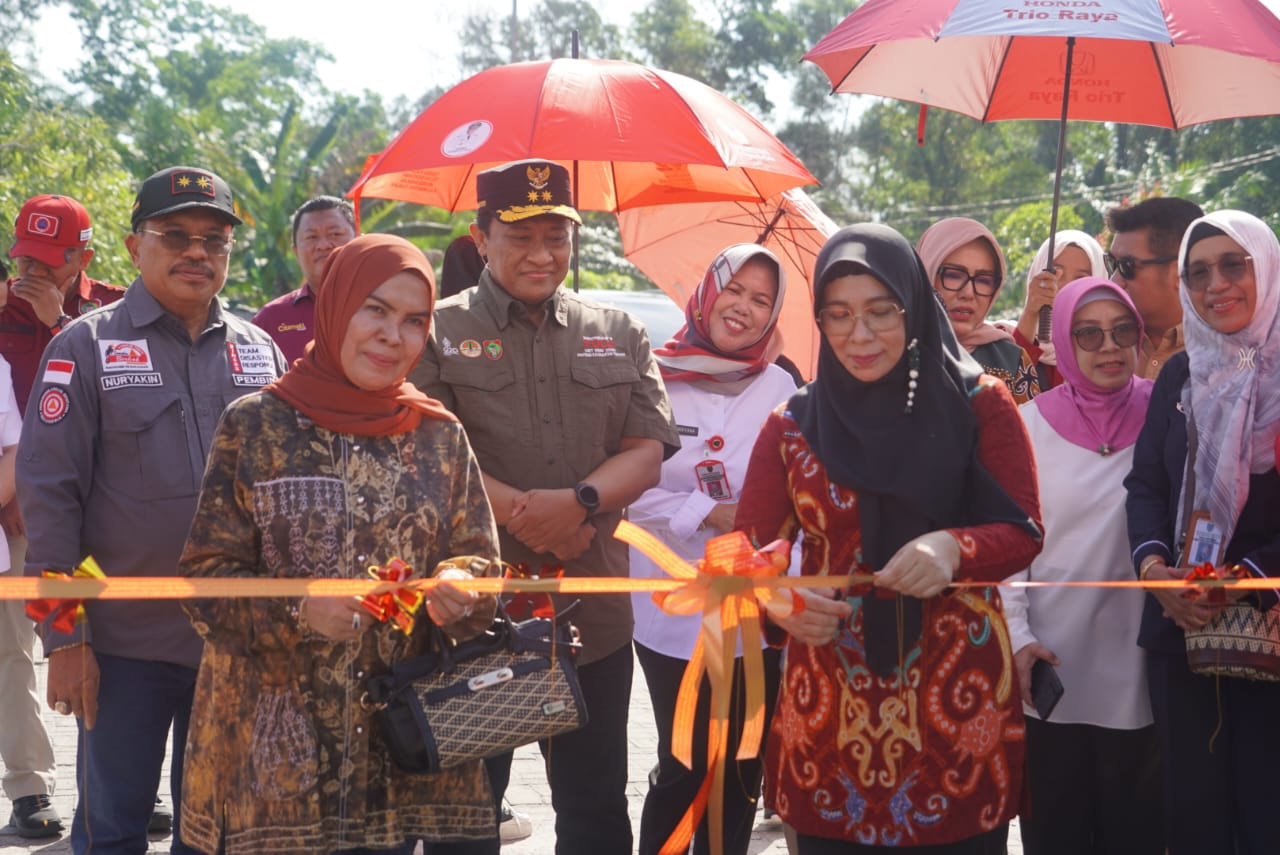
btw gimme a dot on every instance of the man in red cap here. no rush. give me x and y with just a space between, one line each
51 251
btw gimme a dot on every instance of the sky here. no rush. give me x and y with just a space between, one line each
396 48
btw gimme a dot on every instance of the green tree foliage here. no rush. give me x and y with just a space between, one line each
47 146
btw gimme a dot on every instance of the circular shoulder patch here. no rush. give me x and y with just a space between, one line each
54 404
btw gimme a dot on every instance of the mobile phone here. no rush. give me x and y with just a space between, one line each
1046 688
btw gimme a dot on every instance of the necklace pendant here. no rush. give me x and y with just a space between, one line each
1104 449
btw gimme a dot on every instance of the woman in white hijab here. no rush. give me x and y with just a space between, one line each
1218 404
1076 254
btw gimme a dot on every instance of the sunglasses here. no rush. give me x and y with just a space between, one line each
1231 266
954 278
1128 265
176 240
1092 338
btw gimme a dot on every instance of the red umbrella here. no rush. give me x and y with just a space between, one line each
672 245
1169 63
636 136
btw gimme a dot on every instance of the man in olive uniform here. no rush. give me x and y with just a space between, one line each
113 451
566 411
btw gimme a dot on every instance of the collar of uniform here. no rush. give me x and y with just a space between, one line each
502 306
144 309
304 293
82 290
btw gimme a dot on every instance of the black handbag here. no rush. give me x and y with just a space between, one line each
514 684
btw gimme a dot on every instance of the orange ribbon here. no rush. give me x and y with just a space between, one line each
66 612
727 587
398 604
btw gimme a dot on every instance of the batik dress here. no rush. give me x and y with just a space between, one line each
933 752
282 756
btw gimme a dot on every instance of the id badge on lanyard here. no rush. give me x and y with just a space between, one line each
712 480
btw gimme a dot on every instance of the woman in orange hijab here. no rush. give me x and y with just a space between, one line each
339 466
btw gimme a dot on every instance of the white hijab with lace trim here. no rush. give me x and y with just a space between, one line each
1234 390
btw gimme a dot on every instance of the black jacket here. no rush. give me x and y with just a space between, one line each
1155 487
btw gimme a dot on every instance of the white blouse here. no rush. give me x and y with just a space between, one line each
674 510
1094 631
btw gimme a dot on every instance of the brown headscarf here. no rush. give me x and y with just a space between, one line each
316 384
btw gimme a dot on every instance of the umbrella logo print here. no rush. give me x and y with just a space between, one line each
466 138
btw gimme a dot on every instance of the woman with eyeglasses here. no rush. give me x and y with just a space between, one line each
967 268
722 387
1207 454
1075 255
899 721
1093 765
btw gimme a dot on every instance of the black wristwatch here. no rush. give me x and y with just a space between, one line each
61 322
588 497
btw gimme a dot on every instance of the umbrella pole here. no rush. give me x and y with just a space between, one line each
1046 312
576 233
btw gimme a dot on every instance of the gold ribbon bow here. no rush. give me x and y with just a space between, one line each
724 587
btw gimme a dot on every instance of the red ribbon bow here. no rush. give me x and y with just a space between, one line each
66 613
525 604
397 605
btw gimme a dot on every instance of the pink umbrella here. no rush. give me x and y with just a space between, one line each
673 244
1169 63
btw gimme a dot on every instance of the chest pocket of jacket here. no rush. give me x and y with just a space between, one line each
596 402
491 401
145 446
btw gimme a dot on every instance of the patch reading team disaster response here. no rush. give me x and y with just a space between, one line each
251 364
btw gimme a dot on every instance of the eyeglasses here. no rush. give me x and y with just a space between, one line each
176 240
1128 265
1092 338
837 320
954 278
1231 266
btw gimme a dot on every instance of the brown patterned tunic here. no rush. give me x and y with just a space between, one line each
281 756
878 760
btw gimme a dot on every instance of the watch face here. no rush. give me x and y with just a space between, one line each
588 496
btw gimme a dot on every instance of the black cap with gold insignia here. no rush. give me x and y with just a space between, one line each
526 188
180 187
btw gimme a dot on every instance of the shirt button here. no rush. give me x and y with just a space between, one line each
550 461
359 729
537 339
359 673
360 500
542 379
360 558
546 420
355 448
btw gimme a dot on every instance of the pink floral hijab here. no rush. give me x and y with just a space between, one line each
691 355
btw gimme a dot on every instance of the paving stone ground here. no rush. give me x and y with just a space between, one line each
527 791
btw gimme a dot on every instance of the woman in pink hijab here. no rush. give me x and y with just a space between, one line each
1093 760
967 268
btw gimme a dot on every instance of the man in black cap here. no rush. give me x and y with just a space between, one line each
568 417
113 451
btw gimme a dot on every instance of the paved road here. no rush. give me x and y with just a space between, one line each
527 792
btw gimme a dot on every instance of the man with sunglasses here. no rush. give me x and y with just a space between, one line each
112 455
51 251
1144 261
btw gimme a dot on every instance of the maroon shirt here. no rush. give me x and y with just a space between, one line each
290 321
23 335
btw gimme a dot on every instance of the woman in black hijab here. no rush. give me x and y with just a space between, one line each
899 723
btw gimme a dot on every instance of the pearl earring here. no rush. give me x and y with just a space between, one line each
913 373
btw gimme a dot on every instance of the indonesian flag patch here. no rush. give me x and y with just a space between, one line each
59 371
